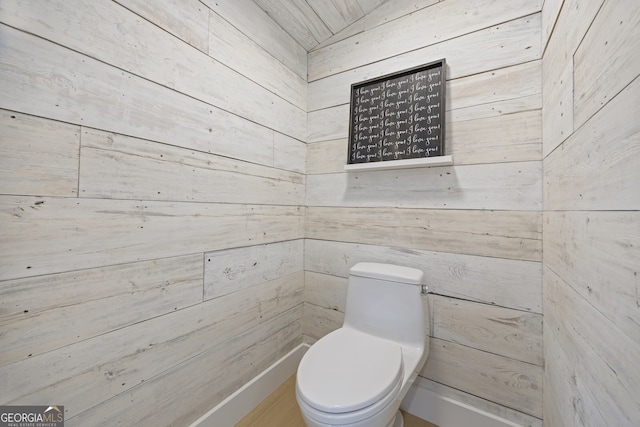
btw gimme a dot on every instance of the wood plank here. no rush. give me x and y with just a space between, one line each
180 395
122 167
499 379
454 18
232 270
606 147
388 10
508 83
38 156
337 14
354 28
511 43
506 283
554 407
510 333
606 60
279 295
330 123
76 287
569 403
557 108
93 371
607 373
495 109
319 321
501 186
97 301
454 231
186 19
115 355
327 156
178 120
246 16
300 20
557 70
497 138
509 138
49 235
377 12
330 156
369 5
325 291
288 153
153 54
550 12
597 254
229 46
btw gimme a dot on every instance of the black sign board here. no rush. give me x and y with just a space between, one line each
398 116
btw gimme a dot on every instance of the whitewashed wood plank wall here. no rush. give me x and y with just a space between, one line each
142 162
591 256
167 233
474 228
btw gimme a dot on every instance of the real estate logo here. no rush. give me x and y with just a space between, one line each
32 416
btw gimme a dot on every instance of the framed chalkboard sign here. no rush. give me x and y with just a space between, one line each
398 116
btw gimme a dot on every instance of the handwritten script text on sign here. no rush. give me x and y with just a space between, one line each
397 118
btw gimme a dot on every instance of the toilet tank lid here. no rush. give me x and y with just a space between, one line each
390 272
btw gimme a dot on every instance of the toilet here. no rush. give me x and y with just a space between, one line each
357 375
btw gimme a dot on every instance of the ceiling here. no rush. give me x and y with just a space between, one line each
310 22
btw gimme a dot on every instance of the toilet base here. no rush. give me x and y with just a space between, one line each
398 420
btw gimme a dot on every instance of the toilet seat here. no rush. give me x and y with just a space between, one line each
349 374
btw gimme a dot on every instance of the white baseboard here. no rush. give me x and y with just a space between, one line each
235 407
445 411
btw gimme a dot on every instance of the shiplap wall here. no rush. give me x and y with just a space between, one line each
152 178
475 228
152 185
591 224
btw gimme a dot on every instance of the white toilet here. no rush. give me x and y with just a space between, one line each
357 375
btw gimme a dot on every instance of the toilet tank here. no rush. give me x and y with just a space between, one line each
385 300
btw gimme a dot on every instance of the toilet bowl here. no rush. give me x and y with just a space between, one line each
357 375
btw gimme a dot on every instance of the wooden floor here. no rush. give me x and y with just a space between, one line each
280 409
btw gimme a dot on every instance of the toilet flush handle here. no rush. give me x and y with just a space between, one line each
425 290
